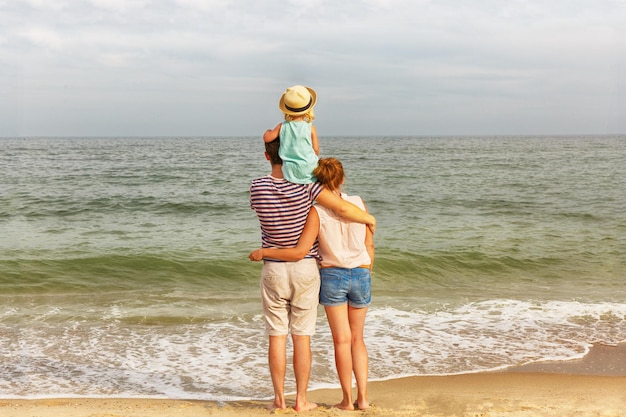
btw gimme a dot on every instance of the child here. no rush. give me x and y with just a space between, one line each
299 148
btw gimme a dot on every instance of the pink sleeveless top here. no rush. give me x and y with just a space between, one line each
342 243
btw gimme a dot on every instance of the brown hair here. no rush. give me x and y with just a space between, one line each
330 173
272 150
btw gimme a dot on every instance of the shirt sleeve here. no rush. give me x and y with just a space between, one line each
315 190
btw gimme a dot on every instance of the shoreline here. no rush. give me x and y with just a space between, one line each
591 386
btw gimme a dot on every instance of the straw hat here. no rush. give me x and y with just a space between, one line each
297 100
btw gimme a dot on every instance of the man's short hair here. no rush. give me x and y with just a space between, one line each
272 150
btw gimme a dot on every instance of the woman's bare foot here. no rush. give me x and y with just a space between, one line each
363 404
305 406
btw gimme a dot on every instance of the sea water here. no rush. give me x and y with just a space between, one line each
124 270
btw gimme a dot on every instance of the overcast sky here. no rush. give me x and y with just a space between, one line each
380 67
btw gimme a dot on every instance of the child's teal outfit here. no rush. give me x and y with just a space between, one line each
296 151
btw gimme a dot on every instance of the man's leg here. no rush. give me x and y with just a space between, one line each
305 280
277 358
302 369
274 291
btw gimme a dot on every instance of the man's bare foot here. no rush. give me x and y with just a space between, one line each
305 406
348 406
276 406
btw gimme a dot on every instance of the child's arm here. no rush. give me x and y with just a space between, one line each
307 238
314 141
346 209
271 134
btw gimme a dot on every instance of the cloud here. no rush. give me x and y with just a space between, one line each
380 67
121 6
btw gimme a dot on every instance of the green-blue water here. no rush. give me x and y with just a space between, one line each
124 271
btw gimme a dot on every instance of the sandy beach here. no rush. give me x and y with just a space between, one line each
592 386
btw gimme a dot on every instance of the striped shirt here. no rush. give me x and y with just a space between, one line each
282 208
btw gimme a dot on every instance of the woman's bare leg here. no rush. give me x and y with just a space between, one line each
342 337
356 318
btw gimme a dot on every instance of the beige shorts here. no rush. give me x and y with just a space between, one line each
290 295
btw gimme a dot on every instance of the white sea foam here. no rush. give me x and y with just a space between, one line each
227 360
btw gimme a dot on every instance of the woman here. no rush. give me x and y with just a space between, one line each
347 253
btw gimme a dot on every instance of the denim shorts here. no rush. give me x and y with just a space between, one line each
342 285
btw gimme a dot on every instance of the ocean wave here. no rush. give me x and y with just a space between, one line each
125 272
67 206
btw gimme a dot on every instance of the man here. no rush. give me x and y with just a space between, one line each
290 290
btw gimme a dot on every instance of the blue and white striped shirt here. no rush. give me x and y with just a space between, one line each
282 208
